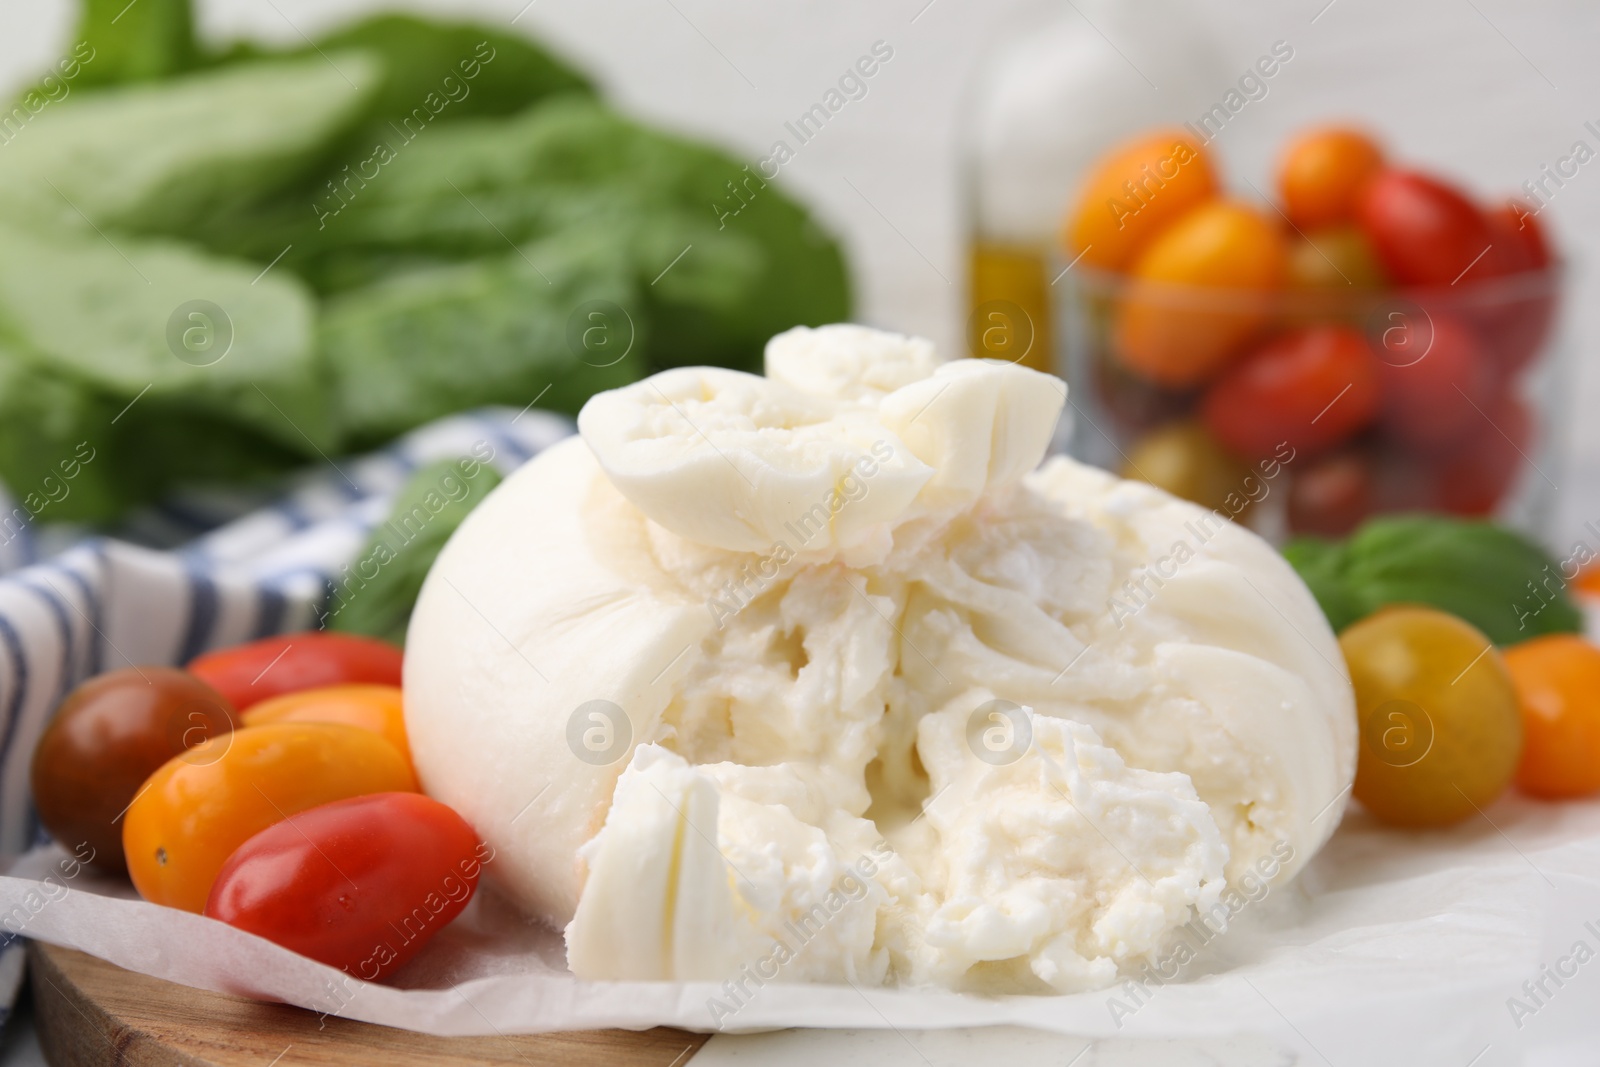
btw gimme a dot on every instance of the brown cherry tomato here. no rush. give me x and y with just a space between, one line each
108 736
1133 194
1199 292
1332 496
378 708
288 663
199 807
1322 173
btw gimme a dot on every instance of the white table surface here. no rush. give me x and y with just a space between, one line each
1487 89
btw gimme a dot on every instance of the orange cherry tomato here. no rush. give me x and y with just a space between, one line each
1134 193
1322 172
203 804
1588 581
372 707
1199 292
1558 686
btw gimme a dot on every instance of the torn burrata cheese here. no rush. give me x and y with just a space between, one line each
822 674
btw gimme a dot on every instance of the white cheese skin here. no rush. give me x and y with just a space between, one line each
890 707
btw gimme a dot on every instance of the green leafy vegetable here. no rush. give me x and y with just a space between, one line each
495 330
715 288
1492 577
132 42
90 343
164 158
488 72
380 589
396 221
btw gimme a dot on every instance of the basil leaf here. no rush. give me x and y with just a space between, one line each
1486 574
375 594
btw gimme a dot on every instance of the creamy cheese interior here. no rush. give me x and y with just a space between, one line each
898 707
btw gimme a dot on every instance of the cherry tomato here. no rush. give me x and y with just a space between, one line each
107 737
1475 476
1424 231
1135 192
359 884
1519 225
1339 259
1437 397
1558 685
1187 462
288 663
1515 315
1133 402
1332 496
1312 387
1322 174
372 707
1402 481
199 807
1199 292
1588 580
1441 733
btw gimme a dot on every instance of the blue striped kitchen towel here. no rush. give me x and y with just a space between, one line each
198 572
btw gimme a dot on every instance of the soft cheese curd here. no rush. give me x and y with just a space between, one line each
826 659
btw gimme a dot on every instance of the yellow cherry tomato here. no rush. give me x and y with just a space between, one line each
1558 683
200 806
372 707
1199 292
1338 259
1441 733
1185 460
1134 193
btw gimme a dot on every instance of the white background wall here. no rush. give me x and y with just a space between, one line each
1488 90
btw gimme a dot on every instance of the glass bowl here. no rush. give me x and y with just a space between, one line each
1468 377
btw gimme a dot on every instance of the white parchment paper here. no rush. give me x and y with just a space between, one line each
1392 947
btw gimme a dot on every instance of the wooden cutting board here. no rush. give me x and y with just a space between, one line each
90 1013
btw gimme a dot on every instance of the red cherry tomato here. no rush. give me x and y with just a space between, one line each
288 663
1515 316
1424 231
1436 398
360 884
1332 496
1515 220
1312 387
1475 476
